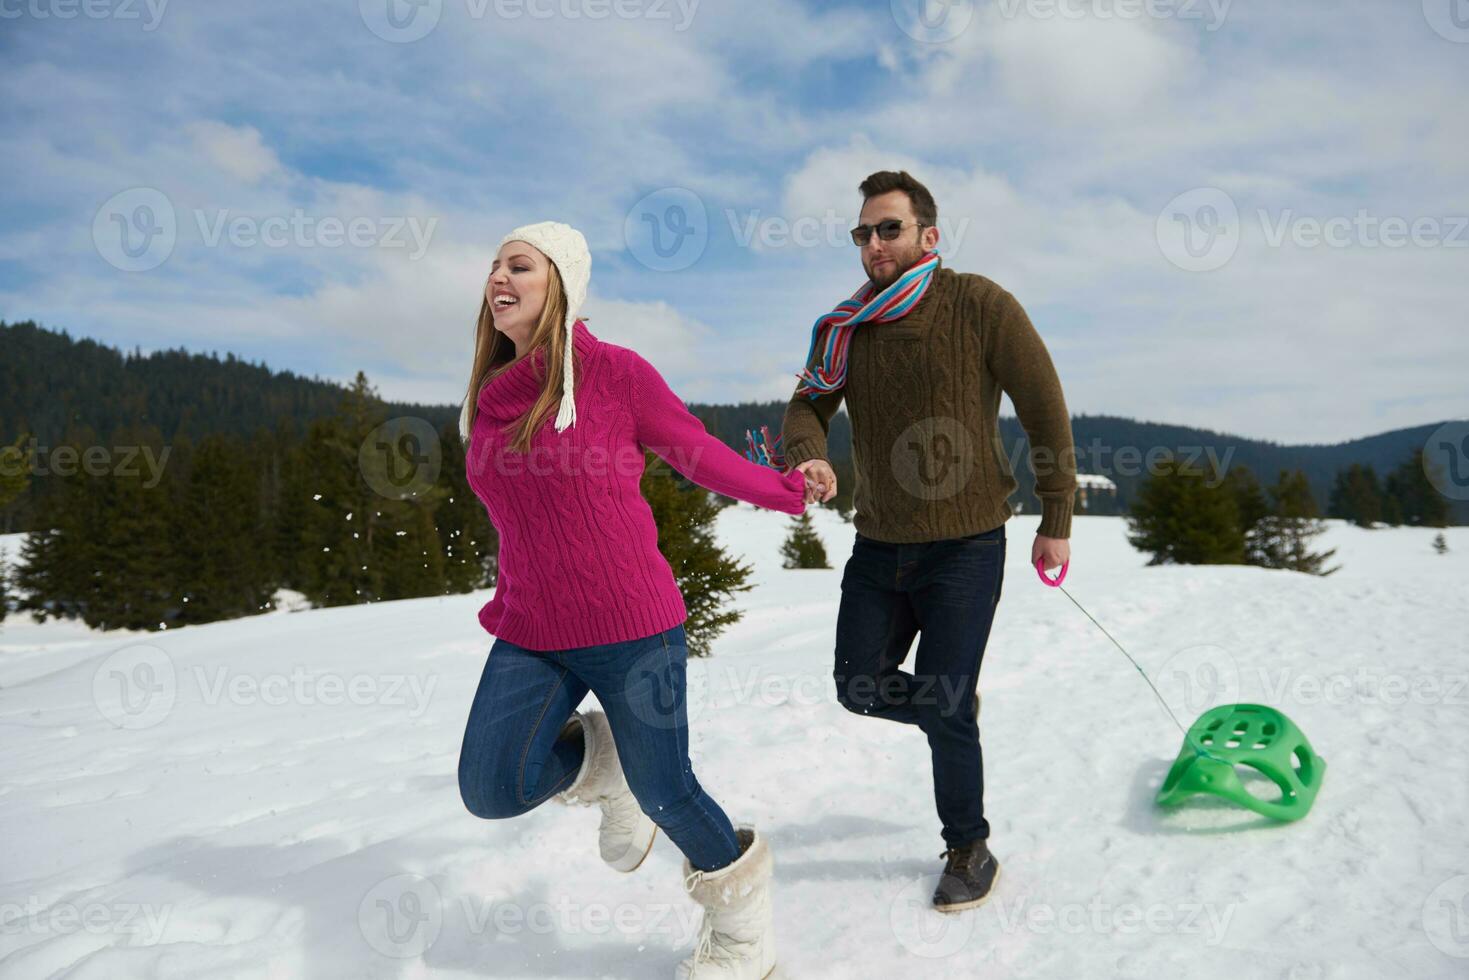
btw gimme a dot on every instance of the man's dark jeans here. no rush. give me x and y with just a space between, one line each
946 591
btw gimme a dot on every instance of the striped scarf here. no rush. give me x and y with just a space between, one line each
831 337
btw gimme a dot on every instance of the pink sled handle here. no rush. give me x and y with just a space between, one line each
1055 583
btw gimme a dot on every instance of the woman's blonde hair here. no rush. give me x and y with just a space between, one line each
494 352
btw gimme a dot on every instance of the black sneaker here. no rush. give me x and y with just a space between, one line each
968 878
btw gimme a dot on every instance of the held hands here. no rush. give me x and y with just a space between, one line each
821 480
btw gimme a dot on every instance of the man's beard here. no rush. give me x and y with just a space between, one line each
901 264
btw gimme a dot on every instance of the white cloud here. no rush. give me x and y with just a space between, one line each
1087 71
672 342
1051 146
237 150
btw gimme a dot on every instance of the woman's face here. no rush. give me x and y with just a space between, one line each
516 290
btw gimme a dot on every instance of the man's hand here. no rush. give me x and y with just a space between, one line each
821 480
1055 551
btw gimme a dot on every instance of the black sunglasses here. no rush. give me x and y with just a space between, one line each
886 230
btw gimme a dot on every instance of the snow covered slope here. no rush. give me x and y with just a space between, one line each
276 796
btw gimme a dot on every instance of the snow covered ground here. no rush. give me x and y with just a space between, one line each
276 796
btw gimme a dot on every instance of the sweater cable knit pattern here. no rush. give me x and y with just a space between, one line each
923 393
579 561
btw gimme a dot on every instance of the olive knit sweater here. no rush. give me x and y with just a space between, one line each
923 393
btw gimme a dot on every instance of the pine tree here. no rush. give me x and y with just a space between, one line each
74 565
1184 515
466 537
335 564
1439 544
15 478
222 570
36 574
135 582
1252 508
1356 496
802 547
1419 501
706 575
284 496
358 542
1291 525
411 552
399 468
82 553
15 470
103 552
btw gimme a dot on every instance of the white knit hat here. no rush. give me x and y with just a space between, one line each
566 247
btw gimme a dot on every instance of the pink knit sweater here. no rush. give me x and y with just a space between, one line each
579 558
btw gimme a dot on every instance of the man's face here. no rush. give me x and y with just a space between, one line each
884 261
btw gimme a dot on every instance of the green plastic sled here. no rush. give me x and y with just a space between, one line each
1253 735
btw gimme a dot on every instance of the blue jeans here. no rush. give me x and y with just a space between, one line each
514 756
947 590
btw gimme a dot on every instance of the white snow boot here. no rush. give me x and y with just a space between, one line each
626 835
736 941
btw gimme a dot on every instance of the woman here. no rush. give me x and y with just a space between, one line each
585 601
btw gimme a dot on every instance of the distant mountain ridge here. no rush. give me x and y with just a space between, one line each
51 381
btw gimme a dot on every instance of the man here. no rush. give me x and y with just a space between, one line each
921 354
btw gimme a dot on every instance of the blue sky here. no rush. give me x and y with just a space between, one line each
1150 179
